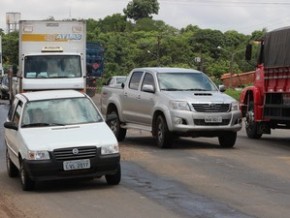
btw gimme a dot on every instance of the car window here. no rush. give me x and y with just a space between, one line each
16 116
135 80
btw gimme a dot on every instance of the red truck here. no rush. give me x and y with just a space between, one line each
266 104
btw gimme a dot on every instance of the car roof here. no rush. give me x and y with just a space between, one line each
53 94
167 70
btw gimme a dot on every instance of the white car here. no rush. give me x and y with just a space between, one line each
52 135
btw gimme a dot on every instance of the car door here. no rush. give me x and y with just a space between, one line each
131 97
13 137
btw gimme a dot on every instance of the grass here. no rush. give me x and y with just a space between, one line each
234 93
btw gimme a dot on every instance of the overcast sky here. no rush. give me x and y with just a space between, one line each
244 16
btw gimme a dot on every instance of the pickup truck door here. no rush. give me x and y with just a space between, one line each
130 107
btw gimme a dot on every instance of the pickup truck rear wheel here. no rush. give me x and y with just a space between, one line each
228 139
115 178
11 168
163 137
27 183
113 122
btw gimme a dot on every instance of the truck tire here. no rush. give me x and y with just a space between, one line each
115 178
26 183
228 139
250 124
163 137
11 168
113 121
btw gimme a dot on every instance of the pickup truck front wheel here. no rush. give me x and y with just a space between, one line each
113 121
163 137
228 139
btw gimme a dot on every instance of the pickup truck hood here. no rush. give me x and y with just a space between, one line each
49 138
199 97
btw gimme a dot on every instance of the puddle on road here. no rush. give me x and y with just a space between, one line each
174 195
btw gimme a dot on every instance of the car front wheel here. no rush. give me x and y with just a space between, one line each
115 178
228 139
27 183
11 168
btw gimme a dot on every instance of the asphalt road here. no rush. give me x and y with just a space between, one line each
196 178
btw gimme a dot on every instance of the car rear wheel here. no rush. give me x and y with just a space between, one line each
11 168
228 139
27 183
113 121
115 178
163 137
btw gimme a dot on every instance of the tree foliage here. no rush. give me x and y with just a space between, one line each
138 9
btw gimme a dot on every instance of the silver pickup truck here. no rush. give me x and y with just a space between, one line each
171 102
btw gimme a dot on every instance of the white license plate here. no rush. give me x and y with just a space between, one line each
213 119
76 164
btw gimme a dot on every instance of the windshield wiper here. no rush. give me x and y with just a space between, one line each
195 90
41 124
171 89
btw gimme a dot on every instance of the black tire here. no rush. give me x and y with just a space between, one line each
163 138
11 168
250 124
26 183
228 139
113 121
115 178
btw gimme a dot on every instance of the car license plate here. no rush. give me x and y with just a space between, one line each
76 164
213 119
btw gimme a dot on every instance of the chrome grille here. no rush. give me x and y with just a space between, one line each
211 108
68 154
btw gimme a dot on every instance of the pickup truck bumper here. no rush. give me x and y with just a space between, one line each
217 123
44 170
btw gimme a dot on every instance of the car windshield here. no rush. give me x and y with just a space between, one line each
55 112
52 66
180 81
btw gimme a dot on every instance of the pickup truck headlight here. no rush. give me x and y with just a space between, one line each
235 106
179 105
109 149
38 155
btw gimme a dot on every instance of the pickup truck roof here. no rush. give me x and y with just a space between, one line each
166 69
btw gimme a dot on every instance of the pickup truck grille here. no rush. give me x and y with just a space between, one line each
75 153
201 122
211 108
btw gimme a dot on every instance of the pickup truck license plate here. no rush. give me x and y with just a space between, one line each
213 119
76 164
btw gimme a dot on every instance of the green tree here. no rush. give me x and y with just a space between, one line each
10 48
138 9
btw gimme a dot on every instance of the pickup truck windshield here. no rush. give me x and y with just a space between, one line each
185 82
59 112
52 66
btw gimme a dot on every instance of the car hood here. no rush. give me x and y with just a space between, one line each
200 97
49 138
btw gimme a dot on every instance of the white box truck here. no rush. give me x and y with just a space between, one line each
51 56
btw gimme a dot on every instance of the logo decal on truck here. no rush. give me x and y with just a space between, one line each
50 37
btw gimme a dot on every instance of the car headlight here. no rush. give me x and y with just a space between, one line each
179 105
109 149
235 106
38 155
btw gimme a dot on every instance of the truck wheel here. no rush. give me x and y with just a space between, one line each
115 178
228 139
27 183
113 121
11 168
163 137
251 125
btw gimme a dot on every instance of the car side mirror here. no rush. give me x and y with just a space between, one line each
10 125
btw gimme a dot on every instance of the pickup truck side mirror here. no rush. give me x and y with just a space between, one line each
148 88
222 88
10 125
